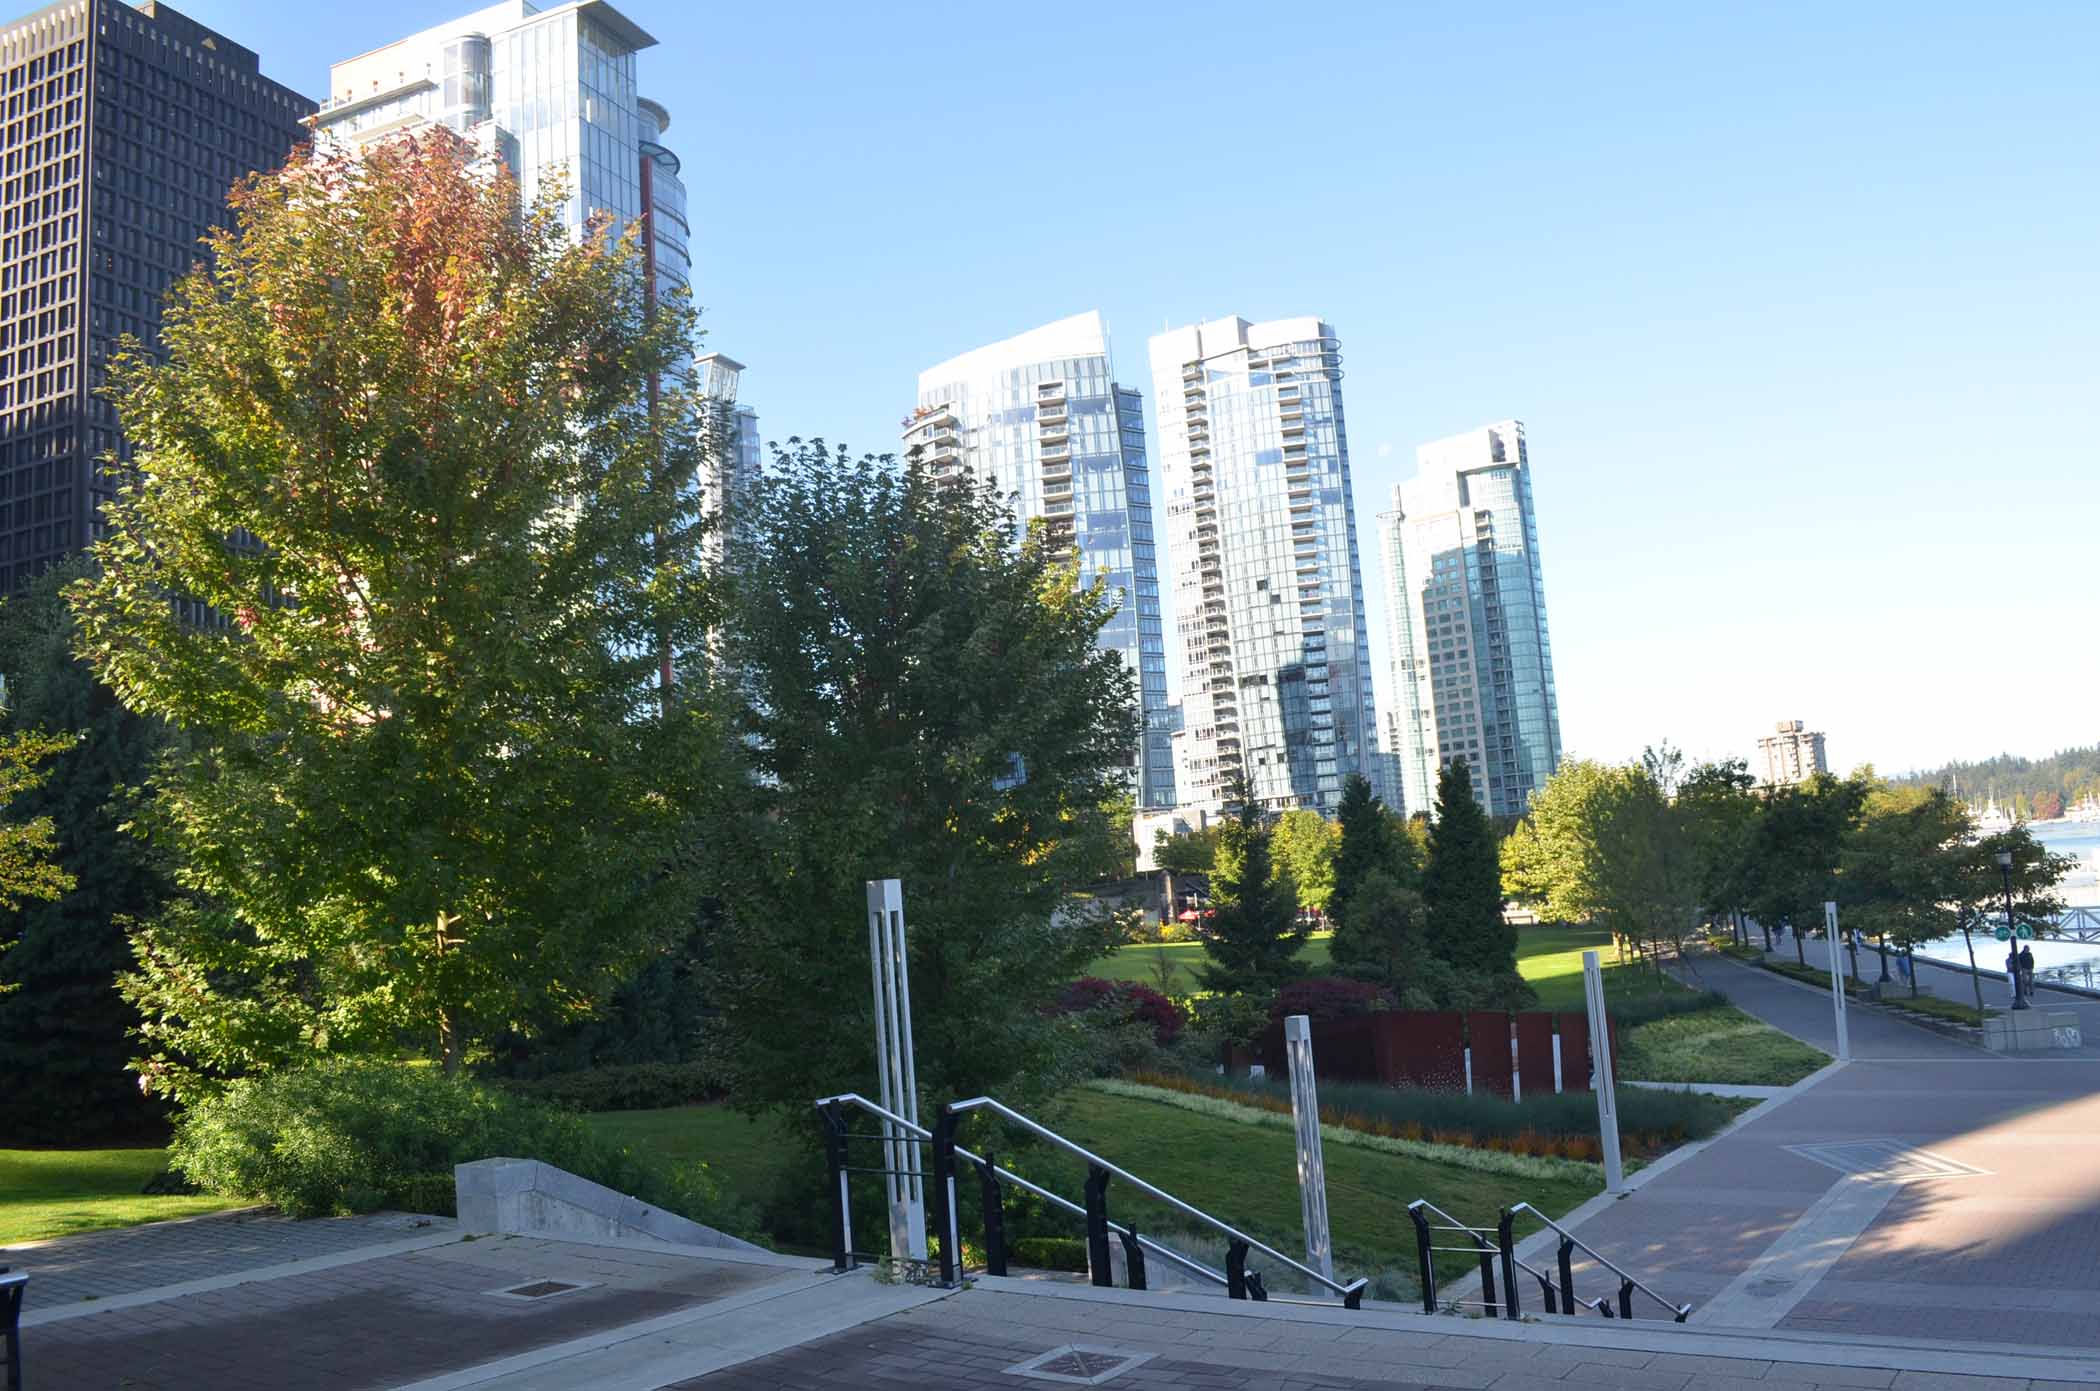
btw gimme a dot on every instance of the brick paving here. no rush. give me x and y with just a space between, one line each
376 1323
98 1265
974 1341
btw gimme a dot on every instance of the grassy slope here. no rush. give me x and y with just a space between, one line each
1243 1173
49 1193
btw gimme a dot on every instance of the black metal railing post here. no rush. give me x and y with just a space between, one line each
1567 1274
994 1196
1256 1290
1133 1258
1625 1298
1505 1239
1236 1269
12 1290
841 1210
1425 1258
945 1222
1489 1303
1097 1227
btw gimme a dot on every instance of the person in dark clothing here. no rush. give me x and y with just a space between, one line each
2027 971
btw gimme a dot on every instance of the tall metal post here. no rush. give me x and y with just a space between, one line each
1312 1168
1600 1053
1837 979
896 1076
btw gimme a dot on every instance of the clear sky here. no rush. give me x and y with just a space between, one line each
1799 303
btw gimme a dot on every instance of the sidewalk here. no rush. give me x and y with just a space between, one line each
1805 1012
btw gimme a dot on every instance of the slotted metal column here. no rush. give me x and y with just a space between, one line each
895 1074
1312 1167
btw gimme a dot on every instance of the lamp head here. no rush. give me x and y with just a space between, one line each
2005 859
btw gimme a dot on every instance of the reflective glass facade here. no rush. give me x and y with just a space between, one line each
1268 591
551 90
123 129
1042 417
1472 665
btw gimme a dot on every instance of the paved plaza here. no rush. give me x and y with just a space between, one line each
1927 1216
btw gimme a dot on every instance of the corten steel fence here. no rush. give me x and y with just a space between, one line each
1530 1053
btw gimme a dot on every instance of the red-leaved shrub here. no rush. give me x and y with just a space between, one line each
1128 1003
1331 997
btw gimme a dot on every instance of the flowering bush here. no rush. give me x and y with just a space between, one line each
1331 997
1126 1002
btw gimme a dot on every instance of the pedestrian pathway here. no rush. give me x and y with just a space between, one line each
1805 1012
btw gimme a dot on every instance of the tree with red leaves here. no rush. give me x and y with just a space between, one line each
407 538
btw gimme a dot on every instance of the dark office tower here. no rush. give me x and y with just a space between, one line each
123 129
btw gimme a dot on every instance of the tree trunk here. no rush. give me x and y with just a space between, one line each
451 1047
1800 952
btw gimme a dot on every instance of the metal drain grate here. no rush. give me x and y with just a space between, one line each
540 1289
1076 1365
1888 1160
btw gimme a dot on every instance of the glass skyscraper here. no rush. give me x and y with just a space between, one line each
1472 668
1268 592
1041 417
124 128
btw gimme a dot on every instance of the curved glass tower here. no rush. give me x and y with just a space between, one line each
1041 417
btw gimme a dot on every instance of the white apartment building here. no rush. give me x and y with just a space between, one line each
1791 753
1261 539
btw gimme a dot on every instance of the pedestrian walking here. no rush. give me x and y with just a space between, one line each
2027 971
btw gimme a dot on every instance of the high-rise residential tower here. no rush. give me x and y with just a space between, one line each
1791 753
1268 593
1471 667
1041 417
733 457
124 129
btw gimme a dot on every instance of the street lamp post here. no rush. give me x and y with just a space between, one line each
2012 931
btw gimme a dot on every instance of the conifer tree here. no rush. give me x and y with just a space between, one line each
1255 934
1463 882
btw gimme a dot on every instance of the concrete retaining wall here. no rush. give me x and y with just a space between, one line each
524 1197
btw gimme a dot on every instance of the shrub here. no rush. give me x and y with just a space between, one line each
349 1136
1125 1002
1327 998
1177 931
634 1087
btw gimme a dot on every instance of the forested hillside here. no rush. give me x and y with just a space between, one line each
2036 789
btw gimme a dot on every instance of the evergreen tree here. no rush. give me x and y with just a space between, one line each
1463 882
64 1029
1371 939
1369 844
1255 935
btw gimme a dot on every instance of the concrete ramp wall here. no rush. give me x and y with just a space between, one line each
524 1197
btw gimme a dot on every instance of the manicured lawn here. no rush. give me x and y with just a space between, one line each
48 1193
1141 962
1550 958
1247 1175
1722 1044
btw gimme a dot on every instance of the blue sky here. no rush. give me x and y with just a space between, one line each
1798 303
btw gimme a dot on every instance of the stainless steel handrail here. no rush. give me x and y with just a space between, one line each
985 1103
1515 1259
1188 1263
1679 1310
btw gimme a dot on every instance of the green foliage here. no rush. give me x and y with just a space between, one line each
1383 934
1305 844
27 867
926 703
63 1028
2034 786
1372 841
629 1087
1715 1044
350 1135
1190 852
446 798
1254 939
1798 847
1462 884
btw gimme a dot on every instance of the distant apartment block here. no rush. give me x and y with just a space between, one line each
1471 666
733 460
1791 754
1268 592
125 126
1041 418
